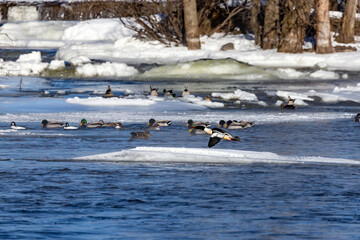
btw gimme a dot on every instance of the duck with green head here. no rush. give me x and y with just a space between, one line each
84 123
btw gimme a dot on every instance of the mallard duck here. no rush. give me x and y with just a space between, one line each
357 118
68 127
153 91
143 135
185 91
191 123
159 123
168 93
217 134
108 93
14 126
84 123
52 124
238 125
112 124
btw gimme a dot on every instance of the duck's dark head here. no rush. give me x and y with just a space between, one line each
13 124
189 123
83 122
44 122
151 122
221 123
66 124
228 123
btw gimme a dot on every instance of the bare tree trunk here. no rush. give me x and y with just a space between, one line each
296 18
255 22
271 25
348 22
323 37
191 25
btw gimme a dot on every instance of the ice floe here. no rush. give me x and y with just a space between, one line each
105 70
201 155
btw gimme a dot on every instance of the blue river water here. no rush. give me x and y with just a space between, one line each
87 200
46 193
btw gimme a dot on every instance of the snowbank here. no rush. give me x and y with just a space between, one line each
201 155
237 95
105 70
26 65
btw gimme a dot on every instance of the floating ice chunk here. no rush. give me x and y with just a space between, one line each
347 89
100 101
5 86
200 101
34 57
105 70
321 74
296 96
289 73
238 94
57 65
204 155
78 61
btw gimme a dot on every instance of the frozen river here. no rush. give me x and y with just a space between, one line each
294 175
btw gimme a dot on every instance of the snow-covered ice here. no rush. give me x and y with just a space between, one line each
201 155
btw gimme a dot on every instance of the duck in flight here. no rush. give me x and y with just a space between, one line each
216 134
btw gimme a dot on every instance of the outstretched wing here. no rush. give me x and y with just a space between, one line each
213 141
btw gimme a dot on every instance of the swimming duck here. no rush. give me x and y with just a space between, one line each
14 126
159 123
357 118
185 91
217 134
143 135
153 91
237 125
52 124
68 127
191 123
287 106
84 123
208 98
112 124
108 93
154 127
169 93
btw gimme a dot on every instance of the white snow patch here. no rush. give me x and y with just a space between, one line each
99 101
57 65
105 70
238 95
201 155
321 74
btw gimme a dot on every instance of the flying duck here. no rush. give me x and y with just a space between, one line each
68 127
84 123
143 135
159 123
14 126
217 134
237 125
52 124
357 118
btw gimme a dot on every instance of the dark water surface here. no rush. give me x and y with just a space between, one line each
87 200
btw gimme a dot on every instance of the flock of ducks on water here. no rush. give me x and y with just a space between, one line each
196 127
